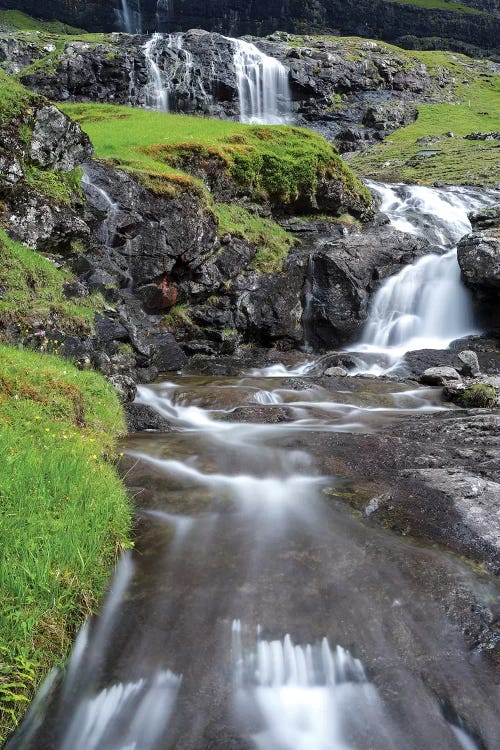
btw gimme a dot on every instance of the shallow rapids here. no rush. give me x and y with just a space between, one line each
258 610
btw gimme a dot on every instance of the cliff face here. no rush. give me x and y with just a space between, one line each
381 19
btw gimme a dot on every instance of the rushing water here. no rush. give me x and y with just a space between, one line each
257 611
263 85
426 305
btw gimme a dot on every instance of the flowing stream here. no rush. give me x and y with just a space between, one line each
257 611
130 16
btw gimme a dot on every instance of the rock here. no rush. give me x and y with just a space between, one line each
333 372
125 387
345 273
167 355
479 260
58 143
468 363
141 417
439 375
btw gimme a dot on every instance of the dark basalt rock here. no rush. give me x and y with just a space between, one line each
343 275
142 417
479 260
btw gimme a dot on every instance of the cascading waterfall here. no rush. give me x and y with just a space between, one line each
130 19
426 305
104 202
178 80
263 85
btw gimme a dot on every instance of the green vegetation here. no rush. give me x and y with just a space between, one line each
475 107
65 515
278 161
60 187
15 20
449 5
480 396
14 98
34 290
272 241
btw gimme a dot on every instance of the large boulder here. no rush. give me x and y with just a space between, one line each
344 274
57 142
479 259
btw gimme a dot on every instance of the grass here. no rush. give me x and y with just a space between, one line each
15 20
15 100
449 5
272 241
475 91
277 162
64 513
33 290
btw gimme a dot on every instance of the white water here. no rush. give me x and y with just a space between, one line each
104 203
306 697
426 305
177 77
263 86
129 18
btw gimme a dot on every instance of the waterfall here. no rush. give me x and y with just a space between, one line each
263 85
157 87
424 306
179 79
130 19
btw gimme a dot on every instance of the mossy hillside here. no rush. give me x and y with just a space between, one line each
64 513
474 107
278 162
448 5
32 290
15 20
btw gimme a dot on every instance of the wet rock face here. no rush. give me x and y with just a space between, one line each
58 143
344 274
479 259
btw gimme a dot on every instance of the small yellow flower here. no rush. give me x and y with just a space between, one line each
94 456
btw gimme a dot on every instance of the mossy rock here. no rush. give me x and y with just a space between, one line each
480 396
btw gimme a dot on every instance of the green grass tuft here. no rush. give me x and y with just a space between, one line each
32 288
272 241
64 513
15 20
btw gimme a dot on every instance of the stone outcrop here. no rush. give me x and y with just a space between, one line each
479 259
355 92
345 272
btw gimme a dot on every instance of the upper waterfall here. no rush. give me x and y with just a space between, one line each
263 85
130 18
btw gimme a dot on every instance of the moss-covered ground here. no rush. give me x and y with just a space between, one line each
474 108
64 513
15 20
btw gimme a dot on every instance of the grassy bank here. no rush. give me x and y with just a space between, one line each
404 156
275 162
64 513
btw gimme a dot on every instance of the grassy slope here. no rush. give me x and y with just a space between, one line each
449 5
15 20
272 162
64 513
477 109
34 290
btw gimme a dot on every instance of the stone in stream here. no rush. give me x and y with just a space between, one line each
468 363
440 376
141 417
